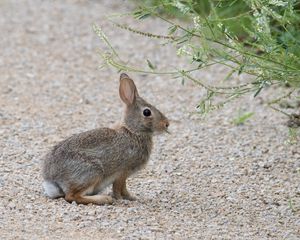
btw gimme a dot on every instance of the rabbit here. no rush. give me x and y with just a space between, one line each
79 167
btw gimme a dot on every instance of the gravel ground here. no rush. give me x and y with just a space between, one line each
209 179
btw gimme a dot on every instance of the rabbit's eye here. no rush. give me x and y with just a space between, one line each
147 112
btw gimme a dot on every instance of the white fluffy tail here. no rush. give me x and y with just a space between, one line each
52 190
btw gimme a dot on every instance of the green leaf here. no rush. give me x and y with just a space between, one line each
229 75
141 14
172 29
241 119
241 68
182 81
144 16
202 8
151 65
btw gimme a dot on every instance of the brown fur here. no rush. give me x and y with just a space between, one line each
82 165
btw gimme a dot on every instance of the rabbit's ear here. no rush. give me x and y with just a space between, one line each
127 90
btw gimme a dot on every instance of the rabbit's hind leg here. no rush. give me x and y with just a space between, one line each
84 199
119 188
80 196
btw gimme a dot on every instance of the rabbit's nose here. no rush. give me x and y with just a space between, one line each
167 124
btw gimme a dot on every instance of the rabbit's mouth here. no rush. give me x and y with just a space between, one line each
162 131
167 131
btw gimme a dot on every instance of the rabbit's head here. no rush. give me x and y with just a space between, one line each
140 116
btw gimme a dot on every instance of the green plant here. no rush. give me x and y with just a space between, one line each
293 136
291 205
242 117
260 38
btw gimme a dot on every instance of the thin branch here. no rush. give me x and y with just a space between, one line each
147 34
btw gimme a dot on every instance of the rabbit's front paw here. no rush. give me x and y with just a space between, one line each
126 196
117 196
129 197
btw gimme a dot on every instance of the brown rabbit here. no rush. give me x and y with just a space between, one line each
82 165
